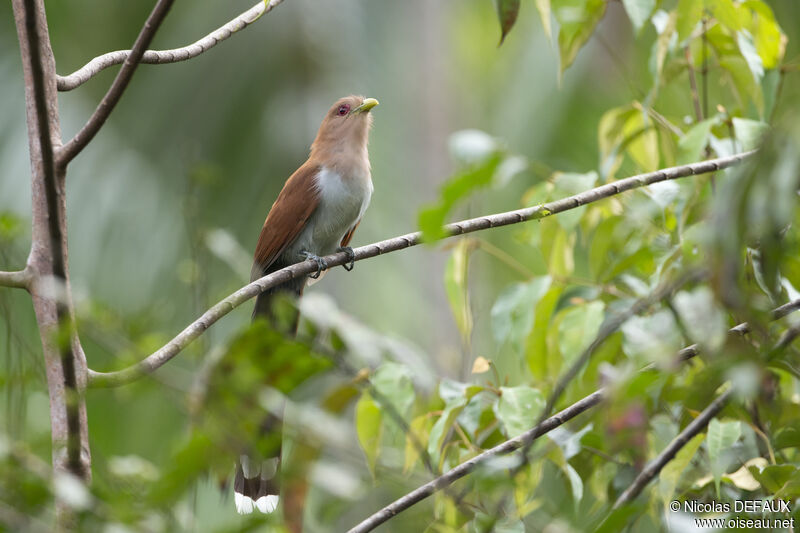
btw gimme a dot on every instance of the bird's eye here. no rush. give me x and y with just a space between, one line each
344 109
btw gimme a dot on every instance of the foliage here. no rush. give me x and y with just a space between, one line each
526 303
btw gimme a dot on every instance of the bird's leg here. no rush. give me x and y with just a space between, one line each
350 255
321 263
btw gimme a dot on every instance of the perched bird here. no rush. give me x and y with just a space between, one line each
315 214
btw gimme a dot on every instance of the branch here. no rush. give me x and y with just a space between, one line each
44 134
466 467
526 439
20 279
196 328
157 57
654 467
109 101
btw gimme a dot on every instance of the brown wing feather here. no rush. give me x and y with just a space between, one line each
295 204
349 235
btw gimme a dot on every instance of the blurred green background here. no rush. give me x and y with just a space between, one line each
165 206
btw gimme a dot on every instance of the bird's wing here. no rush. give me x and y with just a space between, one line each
289 214
349 235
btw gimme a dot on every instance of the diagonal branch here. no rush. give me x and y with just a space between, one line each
228 304
157 57
68 152
20 279
527 438
654 467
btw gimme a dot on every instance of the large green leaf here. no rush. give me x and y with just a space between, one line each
369 425
455 284
639 11
393 382
721 436
518 409
578 328
693 143
690 12
578 19
513 312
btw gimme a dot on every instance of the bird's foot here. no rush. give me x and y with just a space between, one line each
321 263
350 255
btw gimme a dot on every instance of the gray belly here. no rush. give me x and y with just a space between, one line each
342 204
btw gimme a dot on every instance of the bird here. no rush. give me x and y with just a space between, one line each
314 215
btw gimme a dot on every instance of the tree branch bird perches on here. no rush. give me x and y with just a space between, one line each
316 214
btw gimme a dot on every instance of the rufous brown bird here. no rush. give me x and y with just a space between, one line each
315 214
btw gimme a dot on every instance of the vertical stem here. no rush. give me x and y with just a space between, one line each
693 83
64 359
705 68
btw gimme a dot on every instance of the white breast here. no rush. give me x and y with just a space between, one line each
342 203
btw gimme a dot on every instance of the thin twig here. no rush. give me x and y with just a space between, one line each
109 101
20 279
228 304
158 57
654 467
526 438
693 85
64 349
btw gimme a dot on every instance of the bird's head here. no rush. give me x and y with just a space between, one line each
346 125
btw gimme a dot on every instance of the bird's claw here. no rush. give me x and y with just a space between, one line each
350 255
321 263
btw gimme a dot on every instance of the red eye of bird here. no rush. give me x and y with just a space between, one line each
344 109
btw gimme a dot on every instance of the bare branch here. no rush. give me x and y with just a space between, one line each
109 101
222 308
20 279
157 57
523 440
44 133
654 467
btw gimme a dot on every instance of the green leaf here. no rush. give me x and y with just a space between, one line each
639 11
393 382
369 418
655 336
513 312
671 473
578 19
693 143
575 481
455 284
568 184
507 11
721 436
537 339
769 40
518 409
773 477
750 54
704 322
748 132
479 158
642 142
690 12
578 328
417 436
746 85
729 14
543 7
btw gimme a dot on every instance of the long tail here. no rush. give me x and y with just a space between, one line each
256 484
